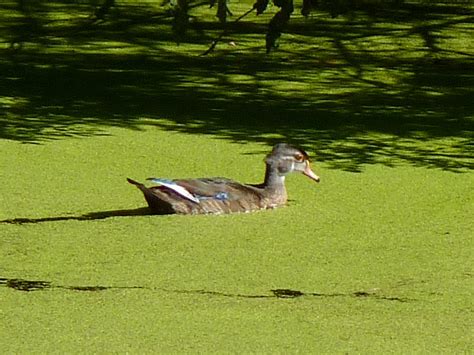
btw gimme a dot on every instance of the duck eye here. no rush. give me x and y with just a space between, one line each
299 157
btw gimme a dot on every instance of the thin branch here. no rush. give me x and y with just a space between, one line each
224 32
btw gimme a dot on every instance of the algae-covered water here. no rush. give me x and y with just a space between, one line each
372 261
376 258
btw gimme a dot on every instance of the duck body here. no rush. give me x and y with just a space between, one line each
221 195
209 195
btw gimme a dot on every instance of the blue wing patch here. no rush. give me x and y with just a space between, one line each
222 196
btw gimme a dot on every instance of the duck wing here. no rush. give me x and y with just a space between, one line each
202 196
218 188
212 195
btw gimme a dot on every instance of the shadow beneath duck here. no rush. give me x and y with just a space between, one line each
143 211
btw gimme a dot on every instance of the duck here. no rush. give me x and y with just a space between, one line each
218 195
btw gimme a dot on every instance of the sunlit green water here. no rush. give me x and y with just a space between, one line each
375 261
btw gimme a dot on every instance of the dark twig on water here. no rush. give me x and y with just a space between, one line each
224 32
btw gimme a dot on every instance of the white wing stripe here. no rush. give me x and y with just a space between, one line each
176 188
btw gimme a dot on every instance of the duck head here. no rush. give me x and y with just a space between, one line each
285 158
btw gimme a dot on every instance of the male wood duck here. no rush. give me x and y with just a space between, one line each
221 195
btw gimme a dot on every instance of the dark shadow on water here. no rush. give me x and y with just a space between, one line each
28 286
395 102
144 211
25 285
287 293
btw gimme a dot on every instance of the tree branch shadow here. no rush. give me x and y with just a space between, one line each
280 293
53 92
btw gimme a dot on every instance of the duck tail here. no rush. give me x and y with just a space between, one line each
156 200
142 187
136 183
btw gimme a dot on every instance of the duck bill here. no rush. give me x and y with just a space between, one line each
310 173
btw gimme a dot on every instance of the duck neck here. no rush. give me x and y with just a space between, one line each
273 180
